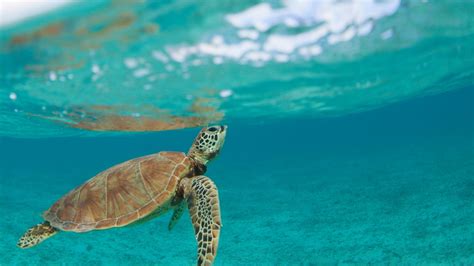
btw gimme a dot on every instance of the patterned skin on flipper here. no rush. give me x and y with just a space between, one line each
203 204
36 235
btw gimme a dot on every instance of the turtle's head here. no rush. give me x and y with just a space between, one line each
208 143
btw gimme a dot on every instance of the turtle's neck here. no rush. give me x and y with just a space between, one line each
197 157
199 168
199 160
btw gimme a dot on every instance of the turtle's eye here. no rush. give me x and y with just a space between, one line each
212 129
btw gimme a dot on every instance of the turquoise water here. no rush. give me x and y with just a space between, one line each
351 138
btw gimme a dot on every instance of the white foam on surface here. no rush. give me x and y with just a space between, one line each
12 96
130 62
387 34
14 11
322 22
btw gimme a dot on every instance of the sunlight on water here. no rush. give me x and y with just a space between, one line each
349 131
147 67
337 22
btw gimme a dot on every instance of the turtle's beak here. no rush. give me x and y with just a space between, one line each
222 135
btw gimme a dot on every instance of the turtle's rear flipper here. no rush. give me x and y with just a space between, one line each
36 235
203 204
178 212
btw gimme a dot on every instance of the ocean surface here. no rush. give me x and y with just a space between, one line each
350 126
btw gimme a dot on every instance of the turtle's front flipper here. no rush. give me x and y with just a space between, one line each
203 204
178 212
36 235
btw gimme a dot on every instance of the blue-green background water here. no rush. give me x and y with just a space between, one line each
389 186
361 152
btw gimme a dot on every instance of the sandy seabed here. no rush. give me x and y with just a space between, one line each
406 203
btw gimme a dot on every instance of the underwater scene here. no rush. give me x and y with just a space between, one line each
291 132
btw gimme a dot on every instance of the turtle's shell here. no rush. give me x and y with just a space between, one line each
122 194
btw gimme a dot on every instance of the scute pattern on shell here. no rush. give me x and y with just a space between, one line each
121 194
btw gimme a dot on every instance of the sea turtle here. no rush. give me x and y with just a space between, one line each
143 188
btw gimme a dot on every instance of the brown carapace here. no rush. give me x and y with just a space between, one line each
141 189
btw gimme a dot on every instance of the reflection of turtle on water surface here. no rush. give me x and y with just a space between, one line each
144 188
